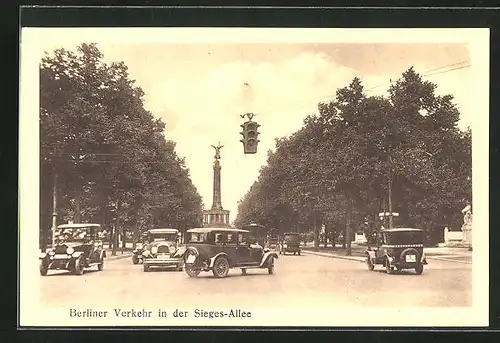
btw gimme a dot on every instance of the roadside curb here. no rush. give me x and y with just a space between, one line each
351 258
436 257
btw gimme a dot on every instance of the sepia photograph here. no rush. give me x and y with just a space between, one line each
253 177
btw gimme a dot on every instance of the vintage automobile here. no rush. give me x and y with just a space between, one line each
163 250
400 248
139 249
219 249
77 246
290 243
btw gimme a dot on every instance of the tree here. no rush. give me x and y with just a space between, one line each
361 154
114 163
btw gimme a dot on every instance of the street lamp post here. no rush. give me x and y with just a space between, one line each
389 191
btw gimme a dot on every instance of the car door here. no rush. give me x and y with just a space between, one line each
223 242
244 250
380 253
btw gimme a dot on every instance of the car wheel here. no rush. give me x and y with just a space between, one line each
369 263
243 271
299 253
270 265
44 268
135 259
192 272
78 267
146 267
419 269
100 266
180 267
221 267
388 267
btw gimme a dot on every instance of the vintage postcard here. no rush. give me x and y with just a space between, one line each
253 177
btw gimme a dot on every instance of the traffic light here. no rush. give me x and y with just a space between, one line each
250 135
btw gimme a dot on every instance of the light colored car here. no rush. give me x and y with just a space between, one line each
77 246
163 250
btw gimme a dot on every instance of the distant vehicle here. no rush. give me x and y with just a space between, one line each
273 243
219 249
163 250
400 248
290 243
77 246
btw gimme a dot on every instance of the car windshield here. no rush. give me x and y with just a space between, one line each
172 237
292 238
73 234
404 237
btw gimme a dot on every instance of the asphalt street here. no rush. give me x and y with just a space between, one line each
307 280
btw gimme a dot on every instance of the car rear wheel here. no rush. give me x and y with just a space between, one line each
192 272
369 263
44 268
135 259
78 266
270 265
221 267
419 269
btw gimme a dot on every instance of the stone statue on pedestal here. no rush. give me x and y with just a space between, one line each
467 225
217 150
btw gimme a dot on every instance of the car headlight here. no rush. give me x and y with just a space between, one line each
52 252
145 253
154 250
70 250
171 249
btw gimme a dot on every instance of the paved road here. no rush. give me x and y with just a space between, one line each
306 280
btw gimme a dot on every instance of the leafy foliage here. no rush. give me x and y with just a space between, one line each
113 162
336 170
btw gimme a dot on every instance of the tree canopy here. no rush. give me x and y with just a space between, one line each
114 165
337 170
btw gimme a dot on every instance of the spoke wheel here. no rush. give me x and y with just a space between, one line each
369 263
78 268
192 272
270 265
221 267
44 268
100 266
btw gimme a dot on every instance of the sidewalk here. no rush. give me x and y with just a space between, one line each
460 255
120 252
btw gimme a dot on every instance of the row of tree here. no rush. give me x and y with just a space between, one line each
104 152
361 155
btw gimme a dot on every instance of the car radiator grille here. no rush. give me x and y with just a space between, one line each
163 250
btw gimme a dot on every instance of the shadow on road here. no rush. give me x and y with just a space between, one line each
69 273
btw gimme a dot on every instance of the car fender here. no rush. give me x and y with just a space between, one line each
76 254
212 259
266 256
371 254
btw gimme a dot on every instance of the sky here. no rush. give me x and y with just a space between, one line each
199 91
